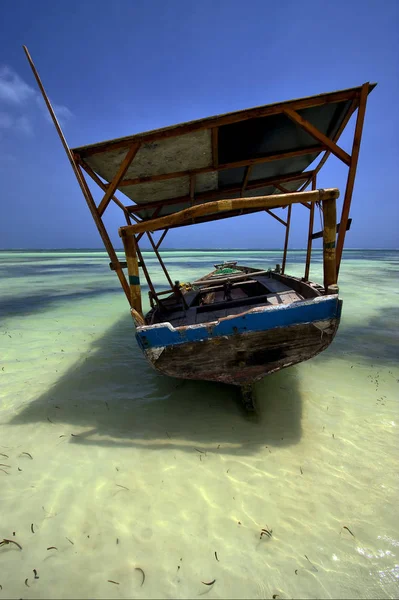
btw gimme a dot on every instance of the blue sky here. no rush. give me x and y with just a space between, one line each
117 68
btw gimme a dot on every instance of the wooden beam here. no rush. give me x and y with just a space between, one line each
246 177
216 194
318 135
217 121
287 234
97 180
354 105
310 233
231 165
281 188
329 232
319 234
162 238
211 282
352 173
217 206
276 217
123 167
215 147
81 181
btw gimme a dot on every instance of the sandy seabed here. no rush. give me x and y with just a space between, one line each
118 482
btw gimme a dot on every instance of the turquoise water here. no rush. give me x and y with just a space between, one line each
132 470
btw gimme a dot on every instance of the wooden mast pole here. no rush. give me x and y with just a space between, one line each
82 183
310 233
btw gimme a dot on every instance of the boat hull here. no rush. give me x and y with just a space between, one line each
242 349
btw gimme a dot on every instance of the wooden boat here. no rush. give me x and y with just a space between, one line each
236 324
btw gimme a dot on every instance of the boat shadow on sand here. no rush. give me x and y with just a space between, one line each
113 397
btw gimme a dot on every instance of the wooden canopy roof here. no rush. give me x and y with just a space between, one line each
263 150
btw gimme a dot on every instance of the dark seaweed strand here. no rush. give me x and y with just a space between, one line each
142 572
347 528
208 582
111 581
216 556
52 548
26 582
31 528
27 454
5 541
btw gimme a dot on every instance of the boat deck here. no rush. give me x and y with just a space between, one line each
259 290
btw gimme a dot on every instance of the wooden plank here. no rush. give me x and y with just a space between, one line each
217 121
218 280
122 264
287 234
220 193
215 146
352 173
310 233
318 135
218 206
319 234
123 167
231 165
275 217
329 233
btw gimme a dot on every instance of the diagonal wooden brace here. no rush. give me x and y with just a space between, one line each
111 189
318 135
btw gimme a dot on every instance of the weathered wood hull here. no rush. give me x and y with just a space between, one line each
243 348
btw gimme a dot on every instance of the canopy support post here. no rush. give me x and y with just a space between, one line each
352 173
160 259
329 235
287 234
129 244
310 233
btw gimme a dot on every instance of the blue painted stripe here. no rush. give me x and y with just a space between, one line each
283 316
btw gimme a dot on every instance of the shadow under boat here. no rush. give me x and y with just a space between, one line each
113 397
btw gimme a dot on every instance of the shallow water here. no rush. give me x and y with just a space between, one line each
130 470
